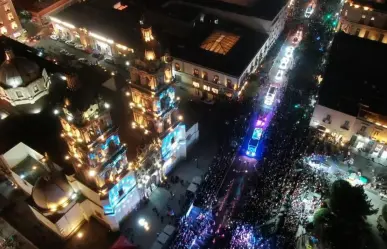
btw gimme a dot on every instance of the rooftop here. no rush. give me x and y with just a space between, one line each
37 6
104 19
379 5
263 9
354 76
30 170
220 42
222 45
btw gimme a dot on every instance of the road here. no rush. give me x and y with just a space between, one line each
243 168
53 47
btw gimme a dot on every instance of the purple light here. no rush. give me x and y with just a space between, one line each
260 122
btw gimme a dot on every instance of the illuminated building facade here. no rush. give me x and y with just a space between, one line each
110 37
9 21
99 159
154 108
352 104
365 19
21 81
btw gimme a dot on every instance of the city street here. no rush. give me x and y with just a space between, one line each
53 49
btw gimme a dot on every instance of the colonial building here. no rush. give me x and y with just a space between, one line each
352 101
216 56
9 21
155 112
102 171
51 204
221 43
21 81
366 19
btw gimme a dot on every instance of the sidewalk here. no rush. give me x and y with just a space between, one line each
204 150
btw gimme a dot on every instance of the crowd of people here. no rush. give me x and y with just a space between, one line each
271 206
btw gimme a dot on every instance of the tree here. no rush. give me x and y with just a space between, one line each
350 202
343 224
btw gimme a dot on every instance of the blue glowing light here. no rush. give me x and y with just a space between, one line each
123 187
166 100
254 142
257 133
170 141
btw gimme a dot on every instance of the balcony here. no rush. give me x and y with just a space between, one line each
345 127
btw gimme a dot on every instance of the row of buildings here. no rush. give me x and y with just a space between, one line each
214 46
115 164
351 103
210 48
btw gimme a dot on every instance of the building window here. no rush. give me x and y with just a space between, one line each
346 13
205 75
372 21
19 94
381 36
363 128
229 83
6 7
363 16
327 119
366 34
357 32
216 79
3 30
214 90
196 84
177 67
375 133
10 16
196 72
14 25
36 89
207 88
345 126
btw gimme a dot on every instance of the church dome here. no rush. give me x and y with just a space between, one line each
17 71
50 193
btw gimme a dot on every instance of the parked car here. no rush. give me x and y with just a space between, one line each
109 60
71 55
98 56
70 43
83 61
54 37
63 51
80 47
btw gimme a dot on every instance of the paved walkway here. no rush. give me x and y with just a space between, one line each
160 198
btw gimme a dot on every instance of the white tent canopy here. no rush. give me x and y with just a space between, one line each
169 230
162 238
192 187
156 245
197 180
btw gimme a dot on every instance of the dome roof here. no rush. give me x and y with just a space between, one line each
17 71
49 193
